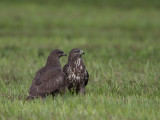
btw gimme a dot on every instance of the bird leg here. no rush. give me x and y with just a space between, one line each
54 93
63 90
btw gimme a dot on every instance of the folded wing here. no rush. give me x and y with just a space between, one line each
47 82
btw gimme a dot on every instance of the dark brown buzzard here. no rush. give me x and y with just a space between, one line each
50 79
76 73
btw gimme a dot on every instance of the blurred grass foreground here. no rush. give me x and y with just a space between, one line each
121 40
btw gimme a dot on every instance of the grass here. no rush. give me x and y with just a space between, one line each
122 58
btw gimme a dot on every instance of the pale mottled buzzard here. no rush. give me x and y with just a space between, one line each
50 79
76 73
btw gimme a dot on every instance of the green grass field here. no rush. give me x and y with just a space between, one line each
122 45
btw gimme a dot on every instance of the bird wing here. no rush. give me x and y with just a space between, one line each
86 77
47 81
65 68
51 80
33 88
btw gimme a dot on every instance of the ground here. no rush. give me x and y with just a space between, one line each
122 45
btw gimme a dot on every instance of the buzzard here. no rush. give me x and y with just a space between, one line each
50 79
76 73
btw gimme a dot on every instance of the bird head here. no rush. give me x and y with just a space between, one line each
58 53
53 58
76 53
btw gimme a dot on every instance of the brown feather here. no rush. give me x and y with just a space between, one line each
76 73
50 78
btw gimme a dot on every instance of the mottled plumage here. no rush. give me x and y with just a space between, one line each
50 79
76 73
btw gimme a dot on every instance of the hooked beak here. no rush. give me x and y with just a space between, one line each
64 54
82 52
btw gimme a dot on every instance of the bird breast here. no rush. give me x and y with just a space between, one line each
77 62
75 75
76 71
